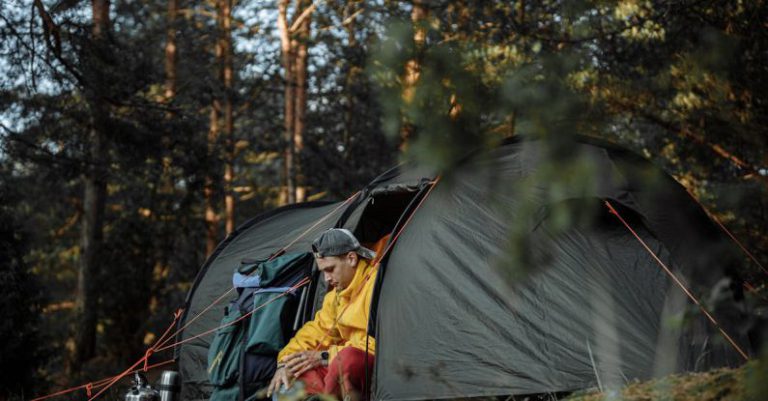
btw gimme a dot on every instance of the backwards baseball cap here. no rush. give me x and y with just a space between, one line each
339 241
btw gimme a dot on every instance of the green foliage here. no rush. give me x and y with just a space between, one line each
674 82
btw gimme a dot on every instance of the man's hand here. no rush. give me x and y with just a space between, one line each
300 362
281 377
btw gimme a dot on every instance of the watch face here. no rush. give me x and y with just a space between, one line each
324 355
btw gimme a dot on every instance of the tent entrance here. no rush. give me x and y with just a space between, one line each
381 215
372 223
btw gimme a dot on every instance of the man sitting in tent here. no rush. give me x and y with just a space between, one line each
330 353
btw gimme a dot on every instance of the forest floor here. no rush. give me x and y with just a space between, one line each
749 382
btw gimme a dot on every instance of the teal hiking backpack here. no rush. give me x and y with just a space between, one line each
242 355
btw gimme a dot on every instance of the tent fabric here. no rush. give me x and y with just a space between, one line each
451 323
456 315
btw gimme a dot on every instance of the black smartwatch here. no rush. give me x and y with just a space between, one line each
324 356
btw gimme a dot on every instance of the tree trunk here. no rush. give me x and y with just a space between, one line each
90 243
352 76
229 156
419 15
294 41
211 218
100 17
94 199
302 55
288 192
209 190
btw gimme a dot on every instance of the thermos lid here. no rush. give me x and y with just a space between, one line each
170 382
170 378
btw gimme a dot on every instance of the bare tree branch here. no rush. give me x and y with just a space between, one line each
304 15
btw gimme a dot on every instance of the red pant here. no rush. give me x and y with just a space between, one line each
344 376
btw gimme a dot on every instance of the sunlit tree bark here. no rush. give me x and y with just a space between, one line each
300 108
288 190
214 130
352 73
294 41
228 132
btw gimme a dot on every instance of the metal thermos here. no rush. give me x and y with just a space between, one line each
169 385
141 391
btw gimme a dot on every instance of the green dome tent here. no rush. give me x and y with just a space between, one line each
450 322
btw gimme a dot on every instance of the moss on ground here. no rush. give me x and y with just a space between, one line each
749 382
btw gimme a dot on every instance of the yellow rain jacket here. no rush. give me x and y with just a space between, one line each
343 319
